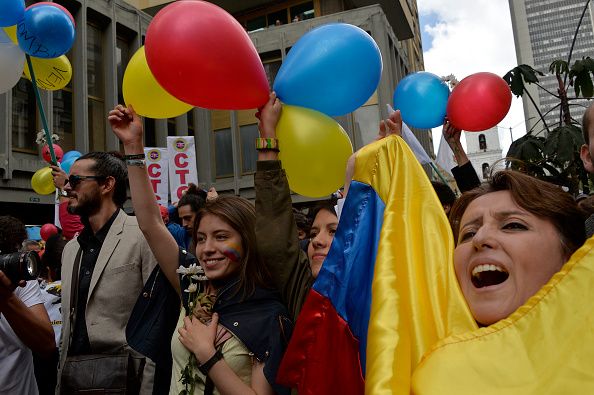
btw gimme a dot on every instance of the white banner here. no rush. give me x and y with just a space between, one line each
156 166
182 164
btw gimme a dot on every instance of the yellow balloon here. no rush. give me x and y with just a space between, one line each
314 150
144 93
11 31
51 74
43 182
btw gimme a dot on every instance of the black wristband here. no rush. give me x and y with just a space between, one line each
136 156
206 366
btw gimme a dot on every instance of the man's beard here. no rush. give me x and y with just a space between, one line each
86 206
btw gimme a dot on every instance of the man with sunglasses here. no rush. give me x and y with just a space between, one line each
105 267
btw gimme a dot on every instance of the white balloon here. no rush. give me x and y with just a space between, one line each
12 62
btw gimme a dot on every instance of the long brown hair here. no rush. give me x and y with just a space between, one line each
240 214
540 198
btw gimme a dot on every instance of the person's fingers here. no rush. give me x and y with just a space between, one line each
382 129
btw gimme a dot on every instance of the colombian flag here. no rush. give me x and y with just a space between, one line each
387 291
386 315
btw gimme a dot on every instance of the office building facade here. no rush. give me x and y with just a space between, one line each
108 34
543 32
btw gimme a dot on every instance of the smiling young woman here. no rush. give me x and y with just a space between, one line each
512 234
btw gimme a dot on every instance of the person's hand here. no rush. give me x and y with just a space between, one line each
451 134
211 194
199 338
390 126
60 176
452 137
126 124
268 116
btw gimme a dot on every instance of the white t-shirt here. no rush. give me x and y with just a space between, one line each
16 362
52 296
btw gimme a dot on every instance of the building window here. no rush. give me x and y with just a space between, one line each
482 142
272 63
95 86
486 170
220 123
150 134
122 58
288 11
24 117
223 153
248 134
63 118
171 127
302 11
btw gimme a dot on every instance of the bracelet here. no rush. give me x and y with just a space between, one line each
135 162
206 366
135 156
266 143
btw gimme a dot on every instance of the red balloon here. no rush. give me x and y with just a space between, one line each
47 231
45 153
57 6
479 102
203 56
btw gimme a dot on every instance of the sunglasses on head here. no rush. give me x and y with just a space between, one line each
75 180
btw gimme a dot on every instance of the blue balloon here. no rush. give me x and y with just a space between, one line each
45 32
71 154
11 12
67 164
422 99
333 69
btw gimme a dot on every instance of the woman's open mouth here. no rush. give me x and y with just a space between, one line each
487 275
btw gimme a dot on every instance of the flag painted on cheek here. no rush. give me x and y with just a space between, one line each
387 290
233 252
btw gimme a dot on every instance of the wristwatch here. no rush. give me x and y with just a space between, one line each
206 366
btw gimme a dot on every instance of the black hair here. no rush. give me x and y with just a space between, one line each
111 164
302 221
12 234
444 193
322 205
193 197
52 256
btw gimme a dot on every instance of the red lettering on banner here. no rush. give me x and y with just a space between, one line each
182 175
154 170
178 160
180 191
155 183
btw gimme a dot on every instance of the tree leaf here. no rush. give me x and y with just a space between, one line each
528 148
559 67
583 82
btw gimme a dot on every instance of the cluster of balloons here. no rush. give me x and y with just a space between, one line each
42 181
45 31
479 102
331 71
196 54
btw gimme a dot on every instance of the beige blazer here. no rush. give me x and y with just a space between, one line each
124 264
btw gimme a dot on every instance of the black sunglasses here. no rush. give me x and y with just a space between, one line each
75 180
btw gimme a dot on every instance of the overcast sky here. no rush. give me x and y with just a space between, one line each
464 37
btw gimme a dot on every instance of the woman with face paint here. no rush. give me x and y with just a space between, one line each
233 328
293 271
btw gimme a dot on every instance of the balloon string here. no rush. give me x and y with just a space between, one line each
439 174
48 134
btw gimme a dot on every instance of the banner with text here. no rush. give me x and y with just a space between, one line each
182 164
157 168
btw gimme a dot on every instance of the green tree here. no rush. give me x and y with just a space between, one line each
554 158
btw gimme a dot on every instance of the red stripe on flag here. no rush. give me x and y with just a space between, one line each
323 355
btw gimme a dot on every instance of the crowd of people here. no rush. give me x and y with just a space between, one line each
201 297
